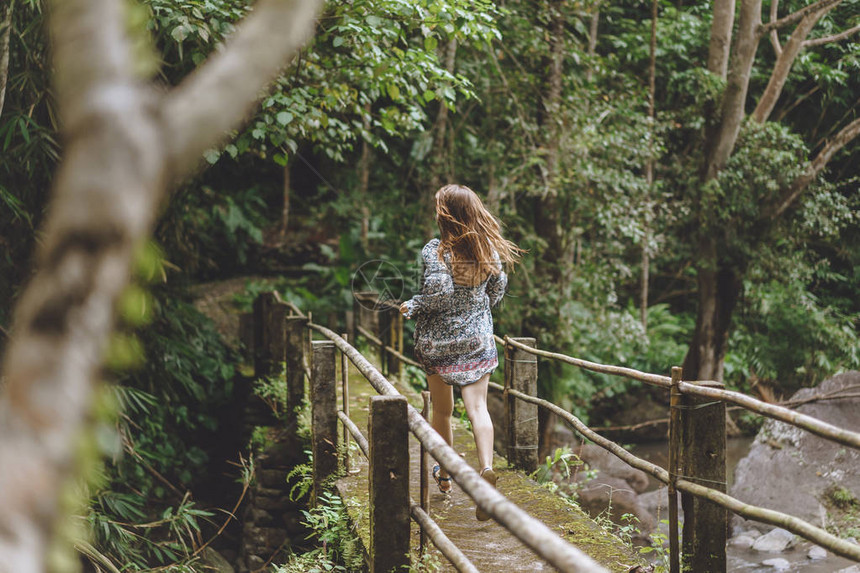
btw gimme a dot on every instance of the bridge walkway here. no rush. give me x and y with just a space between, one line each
488 546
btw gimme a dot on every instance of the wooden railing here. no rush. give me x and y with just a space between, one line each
696 448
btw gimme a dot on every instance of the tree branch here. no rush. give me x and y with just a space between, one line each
830 39
774 34
199 113
721 142
840 140
782 66
795 16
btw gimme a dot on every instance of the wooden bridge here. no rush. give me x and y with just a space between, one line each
532 530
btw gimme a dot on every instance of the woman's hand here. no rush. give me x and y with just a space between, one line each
404 308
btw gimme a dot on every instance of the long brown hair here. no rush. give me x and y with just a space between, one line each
470 232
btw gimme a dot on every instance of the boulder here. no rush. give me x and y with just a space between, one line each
775 541
789 469
778 564
816 553
615 495
608 464
214 562
742 541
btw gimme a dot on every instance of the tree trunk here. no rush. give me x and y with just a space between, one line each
547 211
649 170
364 181
721 37
5 35
719 289
440 172
287 192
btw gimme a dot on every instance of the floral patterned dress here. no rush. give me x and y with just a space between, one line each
453 324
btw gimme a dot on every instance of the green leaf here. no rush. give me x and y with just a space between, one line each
337 42
430 43
393 91
284 117
179 33
212 155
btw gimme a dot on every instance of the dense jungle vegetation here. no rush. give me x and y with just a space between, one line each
707 216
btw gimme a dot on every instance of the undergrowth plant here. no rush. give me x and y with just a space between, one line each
339 548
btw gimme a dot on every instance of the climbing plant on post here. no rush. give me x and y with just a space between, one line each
126 143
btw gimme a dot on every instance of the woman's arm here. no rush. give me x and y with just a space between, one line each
436 284
496 284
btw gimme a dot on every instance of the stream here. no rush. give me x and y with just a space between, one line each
740 559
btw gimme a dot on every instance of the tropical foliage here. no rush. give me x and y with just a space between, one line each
543 109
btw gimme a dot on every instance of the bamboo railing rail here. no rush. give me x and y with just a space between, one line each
532 532
369 335
813 425
790 523
654 379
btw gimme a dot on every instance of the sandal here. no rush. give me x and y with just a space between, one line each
437 475
490 476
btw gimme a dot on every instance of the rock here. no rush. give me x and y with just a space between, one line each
596 496
742 541
775 541
255 562
608 464
657 502
852 569
272 479
778 564
815 553
215 562
808 465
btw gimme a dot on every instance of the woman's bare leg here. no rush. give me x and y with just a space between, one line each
475 400
442 397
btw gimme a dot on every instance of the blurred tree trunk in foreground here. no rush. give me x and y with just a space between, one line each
125 143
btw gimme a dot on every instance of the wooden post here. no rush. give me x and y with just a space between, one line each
389 484
344 392
323 415
246 334
521 374
295 357
382 332
425 470
364 304
395 322
674 446
350 321
269 336
703 461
